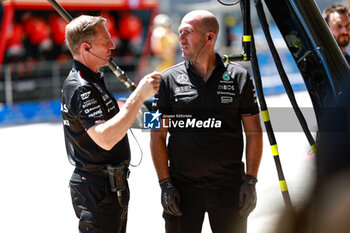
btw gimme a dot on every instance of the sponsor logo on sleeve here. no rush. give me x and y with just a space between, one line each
66 122
85 95
89 102
98 113
92 109
64 108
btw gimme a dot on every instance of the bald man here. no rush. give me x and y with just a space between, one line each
203 103
338 20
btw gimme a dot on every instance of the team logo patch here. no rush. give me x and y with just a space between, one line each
226 76
182 79
151 120
85 95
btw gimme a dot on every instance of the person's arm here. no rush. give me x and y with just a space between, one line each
253 132
254 143
170 196
109 133
159 151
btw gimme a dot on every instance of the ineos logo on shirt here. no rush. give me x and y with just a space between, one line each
85 95
226 87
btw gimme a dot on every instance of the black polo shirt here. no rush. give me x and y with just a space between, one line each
86 102
205 145
347 57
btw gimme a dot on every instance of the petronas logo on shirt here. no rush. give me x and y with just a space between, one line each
226 76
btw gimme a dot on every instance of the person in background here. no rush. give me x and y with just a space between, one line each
38 32
338 20
95 129
163 42
200 169
60 50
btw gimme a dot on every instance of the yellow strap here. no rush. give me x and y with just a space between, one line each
247 38
313 147
274 150
265 115
283 185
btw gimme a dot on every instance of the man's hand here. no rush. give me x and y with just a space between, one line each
247 196
170 197
149 85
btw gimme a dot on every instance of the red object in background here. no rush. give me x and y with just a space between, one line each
130 26
58 26
35 28
10 6
15 35
111 25
14 41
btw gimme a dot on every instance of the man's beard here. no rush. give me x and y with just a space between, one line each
342 42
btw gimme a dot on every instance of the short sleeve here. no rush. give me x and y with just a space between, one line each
249 105
161 99
86 106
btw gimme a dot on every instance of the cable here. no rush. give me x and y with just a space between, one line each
141 151
283 75
200 50
228 4
267 122
269 129
88 50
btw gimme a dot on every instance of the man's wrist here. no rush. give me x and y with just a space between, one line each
165 181
250 179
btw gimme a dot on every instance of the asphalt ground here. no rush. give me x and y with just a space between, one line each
34 175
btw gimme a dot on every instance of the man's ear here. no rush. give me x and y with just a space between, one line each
86 46
211 36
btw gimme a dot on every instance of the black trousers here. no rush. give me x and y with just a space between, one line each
220 204
96 206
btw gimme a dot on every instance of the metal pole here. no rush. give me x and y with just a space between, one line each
247 31
8 86
55 80
269 130
283 75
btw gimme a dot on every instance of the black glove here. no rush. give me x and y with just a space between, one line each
170 197
247 196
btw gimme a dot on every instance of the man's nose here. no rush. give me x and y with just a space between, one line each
182 38
112 45
345 30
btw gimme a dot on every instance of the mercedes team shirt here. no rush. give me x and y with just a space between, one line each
205 145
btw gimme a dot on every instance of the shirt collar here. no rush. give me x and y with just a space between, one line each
86 73
218 63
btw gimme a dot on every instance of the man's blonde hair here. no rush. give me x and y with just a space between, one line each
81 29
